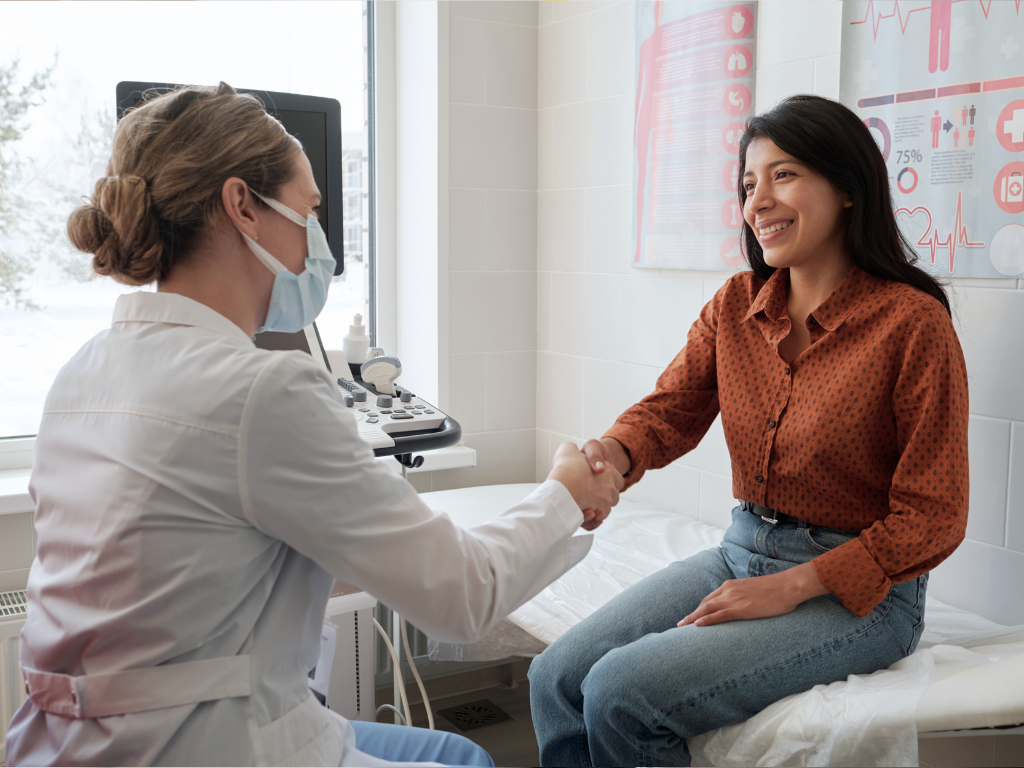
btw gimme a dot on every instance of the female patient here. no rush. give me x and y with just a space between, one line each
843 395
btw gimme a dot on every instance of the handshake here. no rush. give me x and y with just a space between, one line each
592 475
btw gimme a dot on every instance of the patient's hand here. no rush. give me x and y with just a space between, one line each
595 493
758 597
601 455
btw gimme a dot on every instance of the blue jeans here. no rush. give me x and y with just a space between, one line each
626 686
399 744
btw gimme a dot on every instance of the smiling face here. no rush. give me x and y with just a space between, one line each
795 212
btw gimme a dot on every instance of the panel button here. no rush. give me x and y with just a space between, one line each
359 395
364 410
371 421
349 401
428 411
407 397
384 401
401 416
373 413
760 478
385 411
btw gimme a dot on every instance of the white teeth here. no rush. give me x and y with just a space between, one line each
774 228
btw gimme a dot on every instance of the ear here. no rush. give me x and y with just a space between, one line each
847 202
240 206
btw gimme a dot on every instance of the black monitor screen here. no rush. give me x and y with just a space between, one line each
311 129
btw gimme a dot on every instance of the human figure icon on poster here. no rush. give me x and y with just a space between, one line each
652 52
972 112
970 137
963 115
938 41
956 137
936 128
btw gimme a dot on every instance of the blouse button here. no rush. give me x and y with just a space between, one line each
771 423
760 478
787 371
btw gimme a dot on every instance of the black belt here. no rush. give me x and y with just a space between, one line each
772 516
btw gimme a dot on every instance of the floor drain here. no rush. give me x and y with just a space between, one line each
476 714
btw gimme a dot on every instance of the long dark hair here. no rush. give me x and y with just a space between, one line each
831 139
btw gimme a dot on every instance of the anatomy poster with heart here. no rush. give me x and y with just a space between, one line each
941 86
695 70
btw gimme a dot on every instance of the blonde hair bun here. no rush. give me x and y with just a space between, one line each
171 157
121 229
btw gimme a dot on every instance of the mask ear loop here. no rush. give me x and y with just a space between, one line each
281 208
263 255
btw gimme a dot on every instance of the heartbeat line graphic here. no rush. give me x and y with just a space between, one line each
876 19
930 238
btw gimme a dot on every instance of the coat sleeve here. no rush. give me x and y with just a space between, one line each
306 478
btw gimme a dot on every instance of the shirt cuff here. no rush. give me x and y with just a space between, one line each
635 442
850 573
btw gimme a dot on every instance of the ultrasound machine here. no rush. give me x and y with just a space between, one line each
391 419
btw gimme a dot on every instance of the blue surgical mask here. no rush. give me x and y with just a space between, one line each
296 299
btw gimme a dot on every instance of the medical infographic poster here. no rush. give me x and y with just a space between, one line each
695 70
941 86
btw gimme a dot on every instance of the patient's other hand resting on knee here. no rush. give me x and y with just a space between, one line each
595 492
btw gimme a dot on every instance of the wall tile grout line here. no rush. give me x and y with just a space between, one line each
1009 485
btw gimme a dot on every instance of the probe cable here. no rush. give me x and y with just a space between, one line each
416 674
398 669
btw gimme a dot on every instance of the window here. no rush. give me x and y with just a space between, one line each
55 138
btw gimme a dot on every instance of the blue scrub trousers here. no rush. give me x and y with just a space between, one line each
400 744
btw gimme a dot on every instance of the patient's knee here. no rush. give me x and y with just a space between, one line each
613 691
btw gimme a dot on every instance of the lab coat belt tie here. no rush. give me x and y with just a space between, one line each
138 690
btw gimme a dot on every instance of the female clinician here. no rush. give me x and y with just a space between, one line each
197 497
843 395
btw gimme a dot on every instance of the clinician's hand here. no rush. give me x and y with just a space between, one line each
595 493
758 597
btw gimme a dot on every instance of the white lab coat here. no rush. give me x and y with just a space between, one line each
196 498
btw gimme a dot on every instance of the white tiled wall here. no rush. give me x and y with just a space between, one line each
492 199
605 330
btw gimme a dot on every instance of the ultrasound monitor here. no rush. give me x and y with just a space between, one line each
313 120
307 340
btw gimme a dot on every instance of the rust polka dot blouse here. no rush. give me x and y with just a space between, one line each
866 430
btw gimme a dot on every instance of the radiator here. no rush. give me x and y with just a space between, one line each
12 689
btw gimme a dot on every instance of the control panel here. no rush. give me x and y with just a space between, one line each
381 417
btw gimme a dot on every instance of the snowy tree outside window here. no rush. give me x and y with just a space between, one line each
59 65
